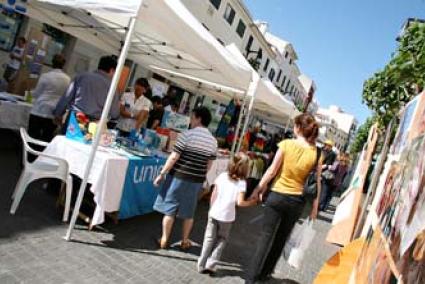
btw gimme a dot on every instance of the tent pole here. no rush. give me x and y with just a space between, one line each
238 126
102 124
252 91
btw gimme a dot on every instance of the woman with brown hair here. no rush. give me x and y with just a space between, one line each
293 162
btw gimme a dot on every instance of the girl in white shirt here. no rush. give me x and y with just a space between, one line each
229 191
134 108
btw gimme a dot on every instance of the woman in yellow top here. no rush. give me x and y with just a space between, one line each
293 162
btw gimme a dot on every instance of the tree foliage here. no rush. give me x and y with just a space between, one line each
388 90
361 136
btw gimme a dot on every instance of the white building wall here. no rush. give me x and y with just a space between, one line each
214 21
346 122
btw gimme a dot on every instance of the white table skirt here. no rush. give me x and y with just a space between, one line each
14 115
106 177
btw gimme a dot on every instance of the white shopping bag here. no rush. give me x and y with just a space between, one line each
298 242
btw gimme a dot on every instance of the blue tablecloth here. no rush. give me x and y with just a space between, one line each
139 194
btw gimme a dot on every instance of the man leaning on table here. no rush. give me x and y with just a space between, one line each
88 93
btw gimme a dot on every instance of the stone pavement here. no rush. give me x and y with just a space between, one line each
32 249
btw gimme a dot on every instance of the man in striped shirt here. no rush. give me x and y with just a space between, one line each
187 168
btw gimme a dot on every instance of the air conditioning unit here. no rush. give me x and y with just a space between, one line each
211 10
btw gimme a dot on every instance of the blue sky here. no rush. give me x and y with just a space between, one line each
340 43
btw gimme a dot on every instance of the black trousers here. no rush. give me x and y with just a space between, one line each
41 128
280 215
326 193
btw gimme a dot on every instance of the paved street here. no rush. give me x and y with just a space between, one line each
32 249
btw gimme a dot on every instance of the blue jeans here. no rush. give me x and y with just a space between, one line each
178 197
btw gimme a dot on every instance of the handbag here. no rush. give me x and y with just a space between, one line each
310 186
299 241
328 174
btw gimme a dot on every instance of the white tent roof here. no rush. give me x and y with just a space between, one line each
268 98
167 35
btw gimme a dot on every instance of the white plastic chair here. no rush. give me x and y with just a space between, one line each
49 167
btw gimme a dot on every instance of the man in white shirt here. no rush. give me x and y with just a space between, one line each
16 58
134 108
50 87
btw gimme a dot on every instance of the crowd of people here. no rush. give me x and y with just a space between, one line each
280 188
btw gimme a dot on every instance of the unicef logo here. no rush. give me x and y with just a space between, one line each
71 129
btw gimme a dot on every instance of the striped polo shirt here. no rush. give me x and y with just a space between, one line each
196 147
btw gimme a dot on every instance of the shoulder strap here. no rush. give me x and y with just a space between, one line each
318 154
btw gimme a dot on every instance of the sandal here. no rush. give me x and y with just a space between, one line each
162 244
185 245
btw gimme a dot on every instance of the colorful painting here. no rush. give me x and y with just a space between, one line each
405 124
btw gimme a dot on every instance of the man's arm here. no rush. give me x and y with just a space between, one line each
115 108
171 161
65 100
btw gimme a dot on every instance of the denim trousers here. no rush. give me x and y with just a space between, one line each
281 212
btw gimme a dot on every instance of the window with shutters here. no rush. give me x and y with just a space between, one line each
240 30
229 14
216 3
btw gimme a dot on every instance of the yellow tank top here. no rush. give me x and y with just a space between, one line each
298 161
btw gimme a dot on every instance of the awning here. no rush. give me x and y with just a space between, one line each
268 99
166 35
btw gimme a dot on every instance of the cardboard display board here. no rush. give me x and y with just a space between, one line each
394 246
338 269
125 73
346 213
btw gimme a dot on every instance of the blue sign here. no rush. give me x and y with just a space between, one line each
139 194
73 130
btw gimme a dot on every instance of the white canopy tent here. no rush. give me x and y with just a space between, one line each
166 35
160 33
265 99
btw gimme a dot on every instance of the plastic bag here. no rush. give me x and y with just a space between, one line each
298 242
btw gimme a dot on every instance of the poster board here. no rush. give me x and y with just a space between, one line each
32 65
122 84
158 88
345 218
394 250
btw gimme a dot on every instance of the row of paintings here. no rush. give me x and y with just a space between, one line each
394 249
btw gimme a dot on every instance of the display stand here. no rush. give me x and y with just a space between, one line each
346 214
393 247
